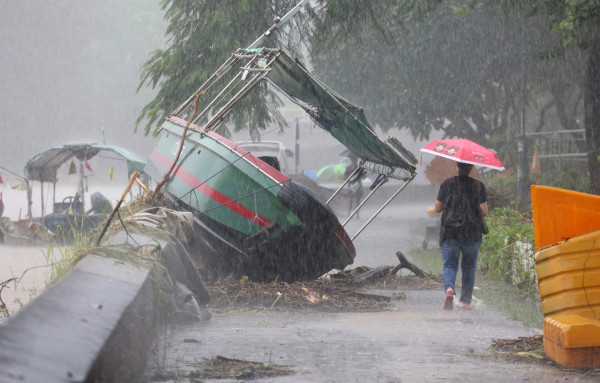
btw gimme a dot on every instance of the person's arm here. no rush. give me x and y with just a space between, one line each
484 208
483 197
439 206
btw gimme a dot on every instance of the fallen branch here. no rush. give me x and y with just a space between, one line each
405 264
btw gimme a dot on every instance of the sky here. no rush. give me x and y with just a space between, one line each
69 72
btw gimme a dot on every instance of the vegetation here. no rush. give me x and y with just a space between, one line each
467 68
506 260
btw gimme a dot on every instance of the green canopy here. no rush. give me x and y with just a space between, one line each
43 166
346 122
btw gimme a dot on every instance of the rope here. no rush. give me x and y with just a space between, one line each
127 231
583 283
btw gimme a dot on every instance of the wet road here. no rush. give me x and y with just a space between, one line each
420 342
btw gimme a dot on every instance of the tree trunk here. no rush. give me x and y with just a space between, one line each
592 115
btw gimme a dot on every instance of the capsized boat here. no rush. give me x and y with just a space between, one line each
253 220
265 224
71 212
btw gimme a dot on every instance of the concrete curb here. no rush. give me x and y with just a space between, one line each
95 324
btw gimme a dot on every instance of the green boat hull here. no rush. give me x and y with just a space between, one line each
253 219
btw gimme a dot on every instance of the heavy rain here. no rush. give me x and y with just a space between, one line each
299 191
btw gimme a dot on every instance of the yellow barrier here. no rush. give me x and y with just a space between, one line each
560 214
566 227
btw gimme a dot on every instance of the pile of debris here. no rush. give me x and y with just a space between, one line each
357 290
226 368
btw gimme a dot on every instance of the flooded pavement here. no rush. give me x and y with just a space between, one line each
419 342
30 266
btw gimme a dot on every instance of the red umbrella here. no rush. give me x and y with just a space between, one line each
463 150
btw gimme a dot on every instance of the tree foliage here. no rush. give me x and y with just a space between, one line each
200 36
456 70
465 68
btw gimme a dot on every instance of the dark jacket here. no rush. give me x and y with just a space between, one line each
450 194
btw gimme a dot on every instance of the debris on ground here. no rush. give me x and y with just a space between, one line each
227 368
405 264
531 350
336 293
521 348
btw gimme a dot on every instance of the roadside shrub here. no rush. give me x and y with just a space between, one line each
507 251
502 189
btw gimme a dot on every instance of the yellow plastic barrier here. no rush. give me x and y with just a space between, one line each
569 276
566 227
560 214
572 341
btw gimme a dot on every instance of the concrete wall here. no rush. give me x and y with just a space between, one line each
95 324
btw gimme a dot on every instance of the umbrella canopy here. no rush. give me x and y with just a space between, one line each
332 173
463 150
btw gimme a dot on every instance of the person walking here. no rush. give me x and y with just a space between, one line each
462 200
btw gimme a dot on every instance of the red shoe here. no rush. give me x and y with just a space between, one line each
449 299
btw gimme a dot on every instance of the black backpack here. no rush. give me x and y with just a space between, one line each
461 216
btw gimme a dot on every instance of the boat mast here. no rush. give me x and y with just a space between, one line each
278 23
229 63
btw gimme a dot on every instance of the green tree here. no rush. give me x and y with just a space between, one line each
200 36
456 67
445 69
579 23
203 33
453 66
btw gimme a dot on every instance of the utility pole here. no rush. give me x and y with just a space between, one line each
522 173
297 148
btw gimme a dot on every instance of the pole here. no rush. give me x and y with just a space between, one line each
277 25
383 206
131 181
522 145
297 149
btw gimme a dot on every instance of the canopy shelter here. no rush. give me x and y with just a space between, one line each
43 166
246 69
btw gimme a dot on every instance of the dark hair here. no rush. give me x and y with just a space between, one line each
464 169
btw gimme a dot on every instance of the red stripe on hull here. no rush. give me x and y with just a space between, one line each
208 191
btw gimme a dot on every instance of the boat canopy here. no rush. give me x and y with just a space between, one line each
344 121
43 166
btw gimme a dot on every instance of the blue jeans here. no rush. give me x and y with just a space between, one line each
451 249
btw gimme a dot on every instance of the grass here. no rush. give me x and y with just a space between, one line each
508 299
